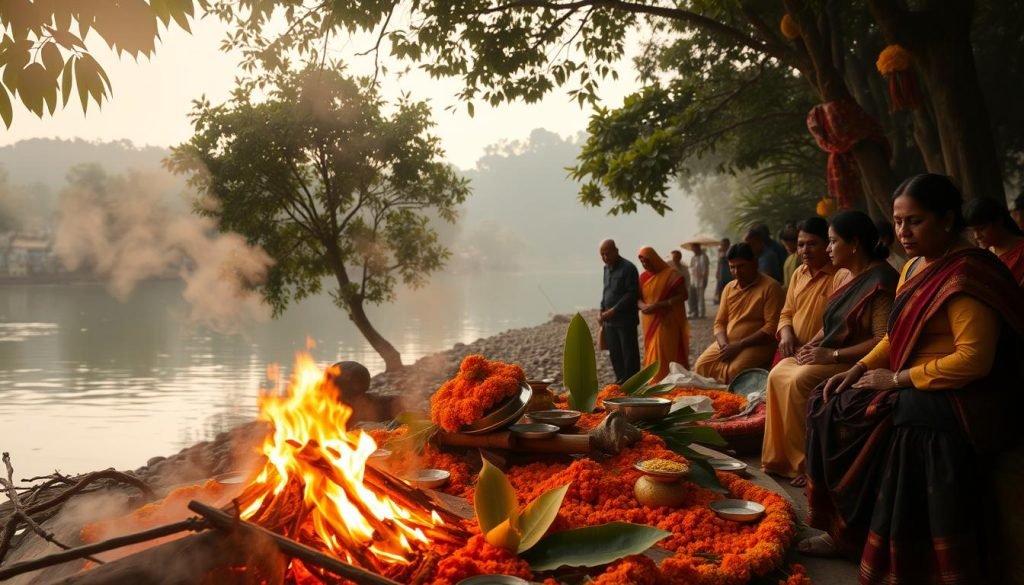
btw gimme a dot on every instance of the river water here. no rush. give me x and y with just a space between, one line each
88 382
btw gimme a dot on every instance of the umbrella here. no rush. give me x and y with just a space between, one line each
703 240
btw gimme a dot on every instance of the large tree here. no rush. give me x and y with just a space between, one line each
327 184
44 46
521 49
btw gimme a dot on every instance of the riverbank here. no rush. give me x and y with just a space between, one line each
537 349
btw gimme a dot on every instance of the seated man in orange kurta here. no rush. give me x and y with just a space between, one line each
747 319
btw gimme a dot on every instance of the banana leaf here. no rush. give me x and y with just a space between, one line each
592 546
640 379
538 516
579 366
495 499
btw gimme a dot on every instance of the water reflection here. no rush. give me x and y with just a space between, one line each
88 382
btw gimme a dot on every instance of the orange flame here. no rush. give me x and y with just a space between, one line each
311 453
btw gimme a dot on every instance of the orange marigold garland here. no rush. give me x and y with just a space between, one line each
478 387
790 29
895 63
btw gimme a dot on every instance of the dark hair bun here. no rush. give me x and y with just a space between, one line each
880 251
936 194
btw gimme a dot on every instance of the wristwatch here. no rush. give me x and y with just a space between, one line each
835 355
896 379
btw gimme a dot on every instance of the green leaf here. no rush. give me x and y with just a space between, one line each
504 536
639 379
579 366
495 500
592 546
66 82
702 474
52 59
538 516
656 390
705 435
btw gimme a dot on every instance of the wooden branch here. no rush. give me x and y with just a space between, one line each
71 554
225 522
192 559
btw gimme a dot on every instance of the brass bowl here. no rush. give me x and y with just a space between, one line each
659 475
639 407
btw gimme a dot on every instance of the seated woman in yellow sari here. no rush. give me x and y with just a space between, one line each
854 319
662 307
896 444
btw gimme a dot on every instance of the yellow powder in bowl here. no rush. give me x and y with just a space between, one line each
665 465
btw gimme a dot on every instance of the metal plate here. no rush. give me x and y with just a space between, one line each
558 417
737 510
747 381
728 465
505 414
534 430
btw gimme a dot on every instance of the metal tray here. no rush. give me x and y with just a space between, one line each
737 510
503 415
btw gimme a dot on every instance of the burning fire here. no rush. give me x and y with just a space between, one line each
316 487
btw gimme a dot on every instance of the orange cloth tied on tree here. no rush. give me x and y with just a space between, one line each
894 62
837 127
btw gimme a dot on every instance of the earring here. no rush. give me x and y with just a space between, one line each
855 250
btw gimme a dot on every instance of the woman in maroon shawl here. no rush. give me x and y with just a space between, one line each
994 229
896 443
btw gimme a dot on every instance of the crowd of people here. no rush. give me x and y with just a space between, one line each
890 373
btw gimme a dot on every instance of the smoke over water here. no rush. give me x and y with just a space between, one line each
122 230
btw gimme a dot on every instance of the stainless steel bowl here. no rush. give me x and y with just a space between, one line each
428 478
504 414
561 418
534 431
737 510
734 465
639 407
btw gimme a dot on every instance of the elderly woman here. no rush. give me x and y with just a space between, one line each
894 443
994 229
854 318
662 307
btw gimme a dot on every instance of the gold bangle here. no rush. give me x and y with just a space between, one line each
896 378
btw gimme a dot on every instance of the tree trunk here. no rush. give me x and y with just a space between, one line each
879 180
392 359
962 120
939 38
356 313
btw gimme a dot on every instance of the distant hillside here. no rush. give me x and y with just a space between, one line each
523 213
522 194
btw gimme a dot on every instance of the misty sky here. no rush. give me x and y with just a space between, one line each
152 98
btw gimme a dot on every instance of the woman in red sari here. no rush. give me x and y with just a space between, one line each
994 229
663 314
898 444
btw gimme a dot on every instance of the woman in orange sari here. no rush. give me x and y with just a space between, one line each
663 314
994 229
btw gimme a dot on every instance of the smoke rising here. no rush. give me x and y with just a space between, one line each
122 229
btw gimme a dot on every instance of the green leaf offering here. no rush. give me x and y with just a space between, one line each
639 380
579 366
497 511
592 546
495 500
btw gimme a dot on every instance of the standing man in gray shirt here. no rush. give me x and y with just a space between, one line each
619 313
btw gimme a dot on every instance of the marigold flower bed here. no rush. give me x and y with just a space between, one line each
706 549
477 388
